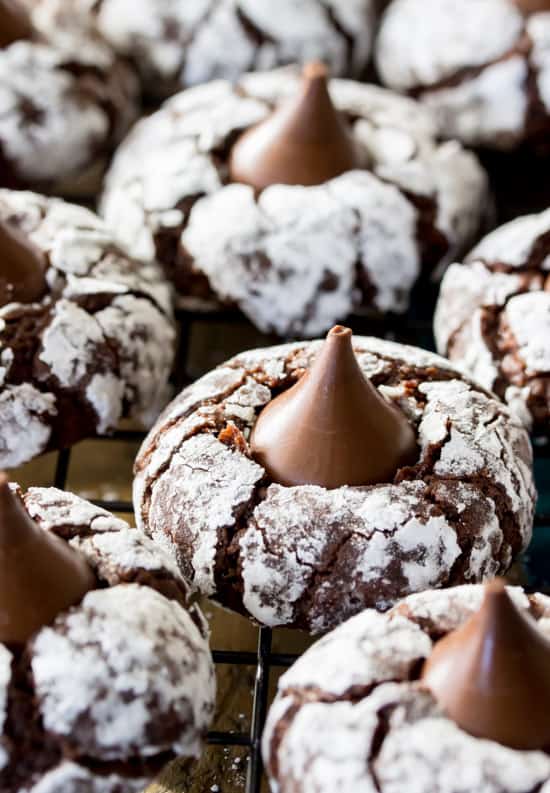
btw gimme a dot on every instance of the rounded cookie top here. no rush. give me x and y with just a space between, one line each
66 102
480 65
174 44
360 238
96 346
351 714
493 316
310 557
117 683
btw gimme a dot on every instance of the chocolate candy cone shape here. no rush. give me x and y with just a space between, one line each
492 675
333 427
533 6
303 142
14 23
22 268
40 575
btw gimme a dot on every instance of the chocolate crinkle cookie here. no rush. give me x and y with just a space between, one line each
493 316
65 102
308 556
481 65
86 332
294 257
353 713
174 42
100 697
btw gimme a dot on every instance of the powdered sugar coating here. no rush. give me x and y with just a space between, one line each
68 515
367 724
538 28
493 316
124 675
102 337
5 678
514 243
528 318
294 259
485 30
62 111
173 43
72 778
310 557
161 681
115 556
25 411
471 63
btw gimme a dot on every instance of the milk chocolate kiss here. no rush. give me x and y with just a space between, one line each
22 267
14 23
303 142
333 427
492 675
533 6
40 575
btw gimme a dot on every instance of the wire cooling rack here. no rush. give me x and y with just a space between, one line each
415 329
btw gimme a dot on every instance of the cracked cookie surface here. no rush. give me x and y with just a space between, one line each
493 316
352 715
99 345
174 43
479 65
117 685
309 557
294 259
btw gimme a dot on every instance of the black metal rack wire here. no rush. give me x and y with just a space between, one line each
414 329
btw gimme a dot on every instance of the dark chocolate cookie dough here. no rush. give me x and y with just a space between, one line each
175 43
352 715
307 556
479 65
117 684
85 338
65 102
295 259
493 316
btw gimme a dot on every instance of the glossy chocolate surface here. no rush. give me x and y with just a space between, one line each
492 675
22 267
14 23
333 427
40 574
533 6
305 141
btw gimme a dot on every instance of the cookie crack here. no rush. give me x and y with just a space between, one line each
522 47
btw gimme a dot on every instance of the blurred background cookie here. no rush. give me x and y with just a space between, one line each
493 316
480 65
64 105
175 43
346 199
86 333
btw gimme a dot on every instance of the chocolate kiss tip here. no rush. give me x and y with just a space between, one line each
22 267
40 574
303 142
496 587
333 427
315 70
14 23
492 675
